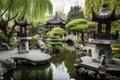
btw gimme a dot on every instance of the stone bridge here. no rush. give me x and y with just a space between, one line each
70 37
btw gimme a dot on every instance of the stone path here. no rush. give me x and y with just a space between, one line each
33 55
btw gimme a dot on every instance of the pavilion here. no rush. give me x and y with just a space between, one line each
55 21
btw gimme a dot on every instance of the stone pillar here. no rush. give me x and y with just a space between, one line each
27 45
99 28
23 45
19 45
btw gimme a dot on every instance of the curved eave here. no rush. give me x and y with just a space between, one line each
55 22
104 17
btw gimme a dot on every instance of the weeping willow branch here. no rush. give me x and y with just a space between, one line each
3 14
13 16
24 9
11 1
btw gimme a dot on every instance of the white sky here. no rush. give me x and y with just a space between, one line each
66 4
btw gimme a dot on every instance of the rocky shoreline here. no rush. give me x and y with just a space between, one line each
5 66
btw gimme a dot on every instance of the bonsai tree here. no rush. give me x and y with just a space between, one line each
79 25
57 30
55 40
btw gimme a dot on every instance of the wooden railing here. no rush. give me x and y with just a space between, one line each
105 36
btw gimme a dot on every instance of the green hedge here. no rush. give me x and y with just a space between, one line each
116 45
117 55
3 38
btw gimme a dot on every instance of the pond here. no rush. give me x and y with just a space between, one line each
61 67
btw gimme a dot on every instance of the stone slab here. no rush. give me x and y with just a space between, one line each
88 63
101 41
33 55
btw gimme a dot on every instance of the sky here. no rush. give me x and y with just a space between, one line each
66 4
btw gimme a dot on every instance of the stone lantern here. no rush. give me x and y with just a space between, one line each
22 35
99 53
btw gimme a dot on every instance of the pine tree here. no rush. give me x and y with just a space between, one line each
75 13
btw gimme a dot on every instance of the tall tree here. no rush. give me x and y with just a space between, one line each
75 13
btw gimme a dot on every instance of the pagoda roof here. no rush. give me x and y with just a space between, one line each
55 20
105 15
23 22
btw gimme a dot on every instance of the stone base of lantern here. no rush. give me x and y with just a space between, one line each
23 44
99 58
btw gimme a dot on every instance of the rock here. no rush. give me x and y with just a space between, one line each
82 70
78 57
92 73
41 44
9 63
100 76
6 65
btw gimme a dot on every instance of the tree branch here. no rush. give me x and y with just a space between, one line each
23 12
3 14
13 16
9 10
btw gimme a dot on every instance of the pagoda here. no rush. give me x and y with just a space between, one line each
99 54
102 39
55 21
105 17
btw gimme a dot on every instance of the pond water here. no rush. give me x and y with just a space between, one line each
61 67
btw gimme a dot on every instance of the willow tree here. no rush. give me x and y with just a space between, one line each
34 10
31 9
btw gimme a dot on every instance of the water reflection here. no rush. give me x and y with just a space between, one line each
30 73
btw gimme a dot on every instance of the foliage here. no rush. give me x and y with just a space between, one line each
55 42
3 38
114 78
31 9
91 23
55 38
36 28
12 42
116 45
33 40
75 13
117 28
77 24
57 30
116 55
47 45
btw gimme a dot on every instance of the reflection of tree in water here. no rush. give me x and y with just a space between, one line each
69 59
58 58
30 73
69 63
